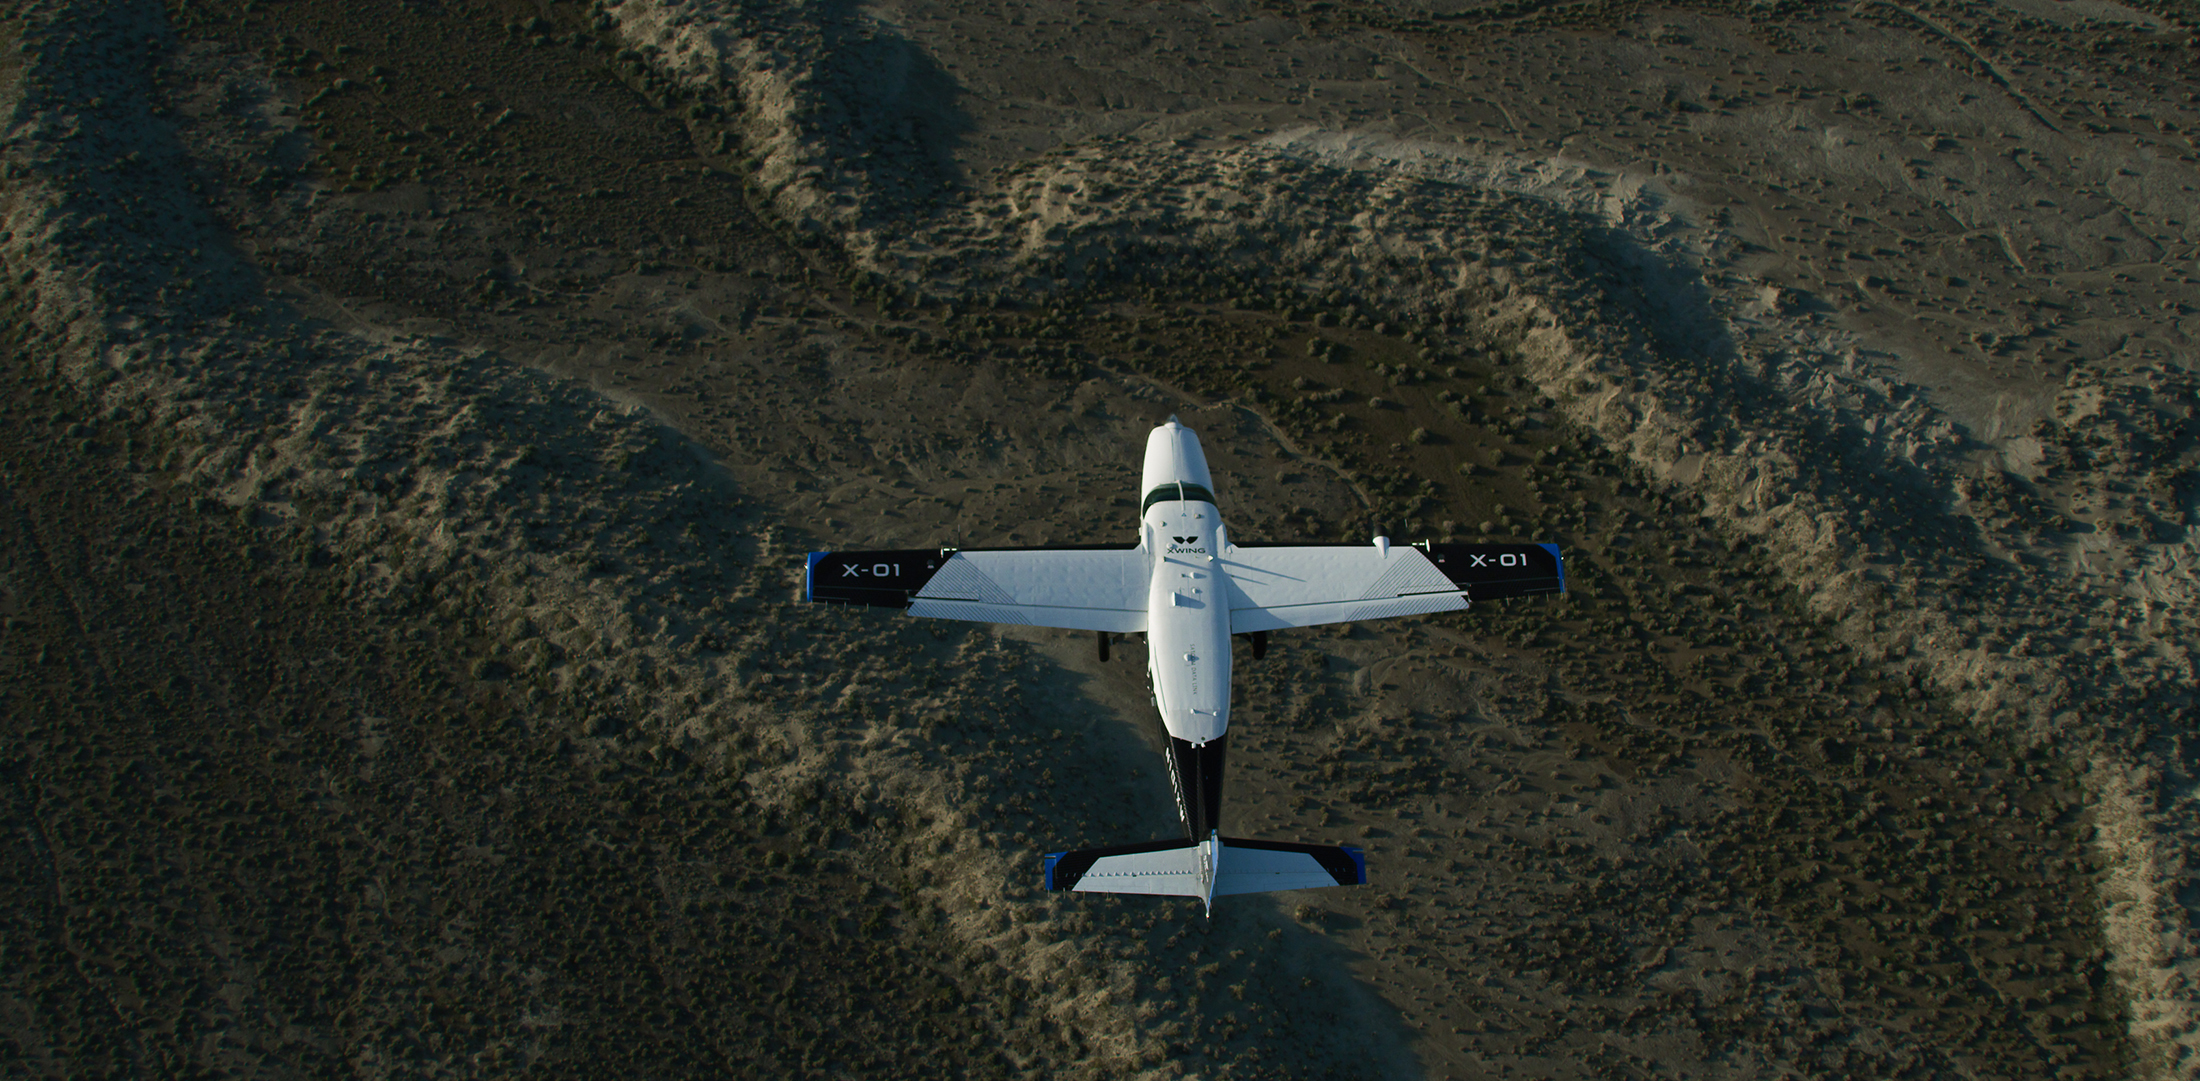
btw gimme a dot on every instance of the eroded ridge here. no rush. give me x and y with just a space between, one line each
811 265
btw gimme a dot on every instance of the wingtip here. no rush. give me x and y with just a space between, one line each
1359 864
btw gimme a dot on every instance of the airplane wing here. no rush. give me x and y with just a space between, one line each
1279 586
1097 588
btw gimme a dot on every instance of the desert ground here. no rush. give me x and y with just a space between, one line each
417 413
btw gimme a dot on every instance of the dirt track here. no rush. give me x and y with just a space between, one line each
417 414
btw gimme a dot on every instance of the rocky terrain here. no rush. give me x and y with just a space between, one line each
417 411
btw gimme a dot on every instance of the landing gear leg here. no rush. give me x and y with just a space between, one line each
1103 640
1260 644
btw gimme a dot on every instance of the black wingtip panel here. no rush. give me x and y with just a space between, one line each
1496 571
877 579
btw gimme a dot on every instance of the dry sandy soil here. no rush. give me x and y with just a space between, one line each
416 412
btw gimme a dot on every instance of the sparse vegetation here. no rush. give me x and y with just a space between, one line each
458 715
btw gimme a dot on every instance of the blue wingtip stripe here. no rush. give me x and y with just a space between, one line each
809 576
1560 560
1046 878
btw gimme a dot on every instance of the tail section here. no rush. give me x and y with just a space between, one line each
1195 771
1207 869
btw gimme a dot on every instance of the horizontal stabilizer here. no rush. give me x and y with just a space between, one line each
1163 868
1213 868
1264 866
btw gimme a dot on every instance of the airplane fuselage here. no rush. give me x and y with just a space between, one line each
1187 620
1188 625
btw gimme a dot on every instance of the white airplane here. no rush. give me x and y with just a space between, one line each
1188 588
